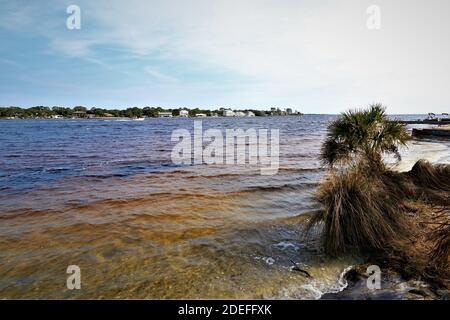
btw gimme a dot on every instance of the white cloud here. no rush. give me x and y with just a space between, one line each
14 17
157 74
317 55
293 48
73 47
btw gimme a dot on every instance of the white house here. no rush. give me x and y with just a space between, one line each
165 114
239 114
184 113
228 113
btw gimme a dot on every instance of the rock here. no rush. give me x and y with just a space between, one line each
306 273
418 292
353 276
443 294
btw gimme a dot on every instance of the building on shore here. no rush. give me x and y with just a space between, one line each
79 114
249 114
165 115
82 115
275 111
184 113
228 113
239 114
288 111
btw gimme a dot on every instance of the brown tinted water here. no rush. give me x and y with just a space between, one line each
106 197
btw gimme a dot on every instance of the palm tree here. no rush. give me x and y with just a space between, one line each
360 205
363 135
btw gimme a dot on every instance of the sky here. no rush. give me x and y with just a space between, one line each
315 56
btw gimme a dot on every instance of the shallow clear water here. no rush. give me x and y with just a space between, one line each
105 195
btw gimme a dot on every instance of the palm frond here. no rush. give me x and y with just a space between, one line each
367 133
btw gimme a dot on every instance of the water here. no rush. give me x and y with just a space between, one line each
105 195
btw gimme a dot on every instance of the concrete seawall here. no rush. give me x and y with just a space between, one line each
432 132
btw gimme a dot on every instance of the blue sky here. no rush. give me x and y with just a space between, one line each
313 56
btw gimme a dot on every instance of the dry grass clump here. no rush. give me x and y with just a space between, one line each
441 251
426 175
359 213
369 209
426 255
388 215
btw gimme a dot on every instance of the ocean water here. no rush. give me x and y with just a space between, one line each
104 195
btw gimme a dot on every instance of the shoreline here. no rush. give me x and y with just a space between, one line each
398 283
393 287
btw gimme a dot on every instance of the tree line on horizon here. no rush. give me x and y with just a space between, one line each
66 112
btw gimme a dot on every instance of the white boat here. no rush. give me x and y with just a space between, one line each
138 119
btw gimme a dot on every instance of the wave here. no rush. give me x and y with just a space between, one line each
203 175
25 212
302 170
293 187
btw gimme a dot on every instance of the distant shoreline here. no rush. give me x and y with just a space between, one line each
56 112
127 118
